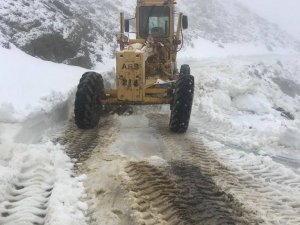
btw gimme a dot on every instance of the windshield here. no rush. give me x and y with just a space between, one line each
154 20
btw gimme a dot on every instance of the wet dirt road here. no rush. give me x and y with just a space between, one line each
140 173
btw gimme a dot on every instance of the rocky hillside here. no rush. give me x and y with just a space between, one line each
73 32
83 32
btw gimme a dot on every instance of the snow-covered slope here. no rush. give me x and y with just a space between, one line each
34 171
84 32
73 32
283 13
225 22
256 95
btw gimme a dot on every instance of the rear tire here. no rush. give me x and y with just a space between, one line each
182 103
88 107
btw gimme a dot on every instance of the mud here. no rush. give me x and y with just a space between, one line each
258 187
185 191
105 196
181 194
80 143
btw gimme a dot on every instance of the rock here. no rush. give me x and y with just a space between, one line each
285 113
52 47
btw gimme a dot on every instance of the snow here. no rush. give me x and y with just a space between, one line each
240 93
239 90
28 159
157 161
83 25
256 103
290 137
226 24
235 105
202 49
136 141
25 80
283 13
39 170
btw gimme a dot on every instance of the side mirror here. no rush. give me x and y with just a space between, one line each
185 22
126 25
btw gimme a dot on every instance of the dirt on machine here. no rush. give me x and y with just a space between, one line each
146 68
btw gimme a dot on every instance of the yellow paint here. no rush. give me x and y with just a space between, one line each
140 62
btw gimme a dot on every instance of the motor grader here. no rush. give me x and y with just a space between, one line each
146 69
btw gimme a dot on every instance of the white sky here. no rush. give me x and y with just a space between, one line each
285 13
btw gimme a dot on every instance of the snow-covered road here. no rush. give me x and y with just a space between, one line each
239 163
37 182
140 173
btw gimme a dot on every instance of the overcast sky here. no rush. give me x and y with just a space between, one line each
285 13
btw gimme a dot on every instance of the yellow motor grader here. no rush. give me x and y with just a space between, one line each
146 69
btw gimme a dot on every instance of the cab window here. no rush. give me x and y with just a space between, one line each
155 21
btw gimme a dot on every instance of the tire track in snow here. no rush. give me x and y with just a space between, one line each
35 173
80 143
181 194
276 187
27 198
154 195
261 167
106 199
260 186
249 140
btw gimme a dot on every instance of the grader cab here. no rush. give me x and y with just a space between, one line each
146 68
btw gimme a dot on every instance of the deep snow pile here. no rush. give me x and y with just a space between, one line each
35 181
257 97
34 172
29 84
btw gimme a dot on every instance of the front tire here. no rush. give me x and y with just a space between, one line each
182 103
88 107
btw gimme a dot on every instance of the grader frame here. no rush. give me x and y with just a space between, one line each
146 69
142 62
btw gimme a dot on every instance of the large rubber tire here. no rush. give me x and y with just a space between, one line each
88 107
185 70
182 104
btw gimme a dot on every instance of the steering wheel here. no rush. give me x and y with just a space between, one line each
157 31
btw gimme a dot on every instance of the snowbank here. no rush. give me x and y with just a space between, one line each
241 94
255 103
290 137
203 49
25 80
37 184
37 180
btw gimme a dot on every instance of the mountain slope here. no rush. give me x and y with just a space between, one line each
84 32
71 32
228 21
